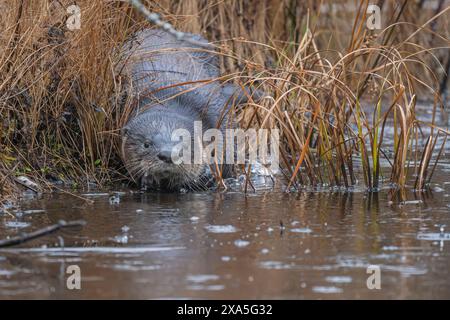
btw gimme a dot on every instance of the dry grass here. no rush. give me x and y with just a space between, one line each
334 84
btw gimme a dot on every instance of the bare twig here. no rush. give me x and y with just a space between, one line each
155 19
40 233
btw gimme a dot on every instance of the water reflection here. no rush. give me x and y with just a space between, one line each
232 245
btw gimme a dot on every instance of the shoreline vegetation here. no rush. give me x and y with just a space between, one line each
62 107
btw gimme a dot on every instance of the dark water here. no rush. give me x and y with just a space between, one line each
228 245
267 244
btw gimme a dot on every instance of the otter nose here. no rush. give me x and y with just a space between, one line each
165 155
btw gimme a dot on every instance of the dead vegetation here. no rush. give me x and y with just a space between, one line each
334 84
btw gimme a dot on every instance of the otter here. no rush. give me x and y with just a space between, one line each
172 84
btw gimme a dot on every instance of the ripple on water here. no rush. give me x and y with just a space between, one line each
7 273
301 230
201 278
199 281
321 289
17 224
339 279
275 265
95 194
405 270
390 248
90 250
214 287
411 202
221 228
12 288
123 239
29 212
241 243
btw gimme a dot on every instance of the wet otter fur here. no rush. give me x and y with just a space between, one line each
173 84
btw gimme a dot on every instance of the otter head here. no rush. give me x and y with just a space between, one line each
148 150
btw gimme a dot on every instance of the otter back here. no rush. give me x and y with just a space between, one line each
166 71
